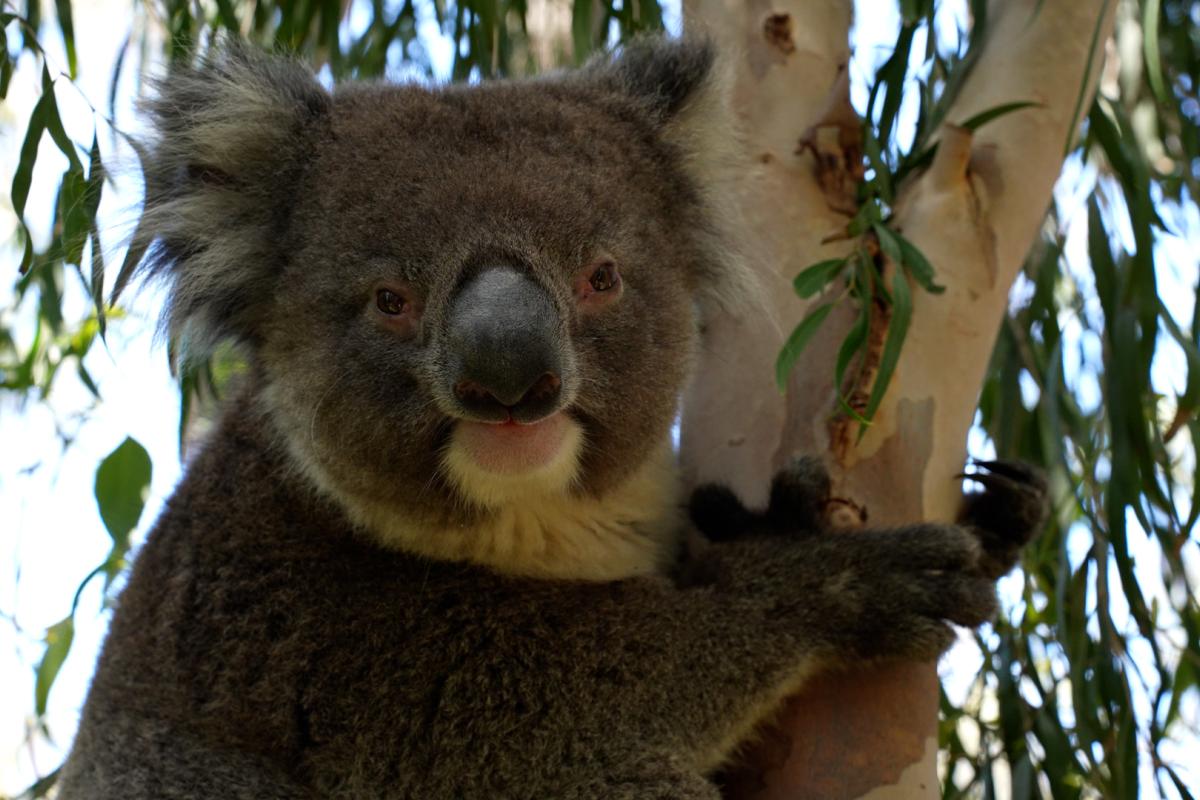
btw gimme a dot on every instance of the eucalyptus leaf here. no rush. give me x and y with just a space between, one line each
122 482
977 121
917 265
897 331
1151 20
815 278
797 342
58 639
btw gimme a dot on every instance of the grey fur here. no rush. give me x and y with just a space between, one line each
326 608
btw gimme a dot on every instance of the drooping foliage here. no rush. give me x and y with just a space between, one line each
1088 683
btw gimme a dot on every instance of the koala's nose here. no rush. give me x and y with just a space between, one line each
504 347
481 399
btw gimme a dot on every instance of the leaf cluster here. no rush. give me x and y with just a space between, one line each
1090 669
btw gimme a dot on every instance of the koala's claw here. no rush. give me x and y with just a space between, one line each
799 494
1010 511
1013 470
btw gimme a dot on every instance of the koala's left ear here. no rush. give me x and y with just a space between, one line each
684 89
666 76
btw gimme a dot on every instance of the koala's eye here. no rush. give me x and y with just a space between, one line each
598 285
604 278
398 308
390 303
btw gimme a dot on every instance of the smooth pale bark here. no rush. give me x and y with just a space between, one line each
548 23
974 213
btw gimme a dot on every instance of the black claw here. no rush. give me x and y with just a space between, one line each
1014 470
1002 484
1010 511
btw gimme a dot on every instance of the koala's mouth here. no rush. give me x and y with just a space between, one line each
497 464
510 447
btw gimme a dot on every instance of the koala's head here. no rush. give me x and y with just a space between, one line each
470 311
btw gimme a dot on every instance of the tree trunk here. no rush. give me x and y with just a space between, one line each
871 732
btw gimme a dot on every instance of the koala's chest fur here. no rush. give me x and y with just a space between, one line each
256 616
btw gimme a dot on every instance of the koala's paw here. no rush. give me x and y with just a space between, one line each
718 514
799 494
1010 511
895 594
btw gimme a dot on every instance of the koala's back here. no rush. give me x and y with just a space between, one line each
263 639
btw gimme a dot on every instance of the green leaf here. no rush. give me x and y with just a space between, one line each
58 644
977 121
1150 48
86 378
883 173
888 244
854 344
918 266
581 29
1100 252
6 62
92 194
813 279
41 787
23 175
122 481
797 342
897 331
1184 679
54 123
892 74
227 16
1095 54
67 26
98 280
868 214
72 207
95 180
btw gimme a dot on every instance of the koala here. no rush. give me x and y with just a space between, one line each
432 547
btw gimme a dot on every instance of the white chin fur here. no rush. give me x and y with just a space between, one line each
539 526
498 490
535 523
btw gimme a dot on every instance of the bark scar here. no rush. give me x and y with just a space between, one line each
835 142
842 513
777 28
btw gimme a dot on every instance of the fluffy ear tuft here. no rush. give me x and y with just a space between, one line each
231 135
685 86
663 74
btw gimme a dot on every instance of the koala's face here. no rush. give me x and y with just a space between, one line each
460 300
489 288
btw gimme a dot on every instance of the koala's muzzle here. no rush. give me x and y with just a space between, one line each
505 348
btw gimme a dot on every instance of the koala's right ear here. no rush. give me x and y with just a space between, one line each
231 135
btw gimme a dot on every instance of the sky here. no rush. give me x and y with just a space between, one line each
51 535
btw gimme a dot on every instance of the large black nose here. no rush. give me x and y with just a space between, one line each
504 347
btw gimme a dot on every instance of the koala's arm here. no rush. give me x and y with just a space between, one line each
760 601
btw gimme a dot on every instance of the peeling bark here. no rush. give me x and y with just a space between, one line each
974 213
